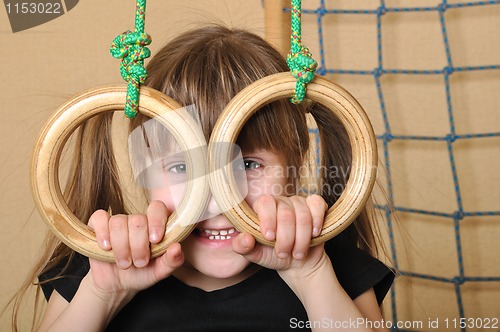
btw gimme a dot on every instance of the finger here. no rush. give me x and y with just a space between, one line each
138 239
118 228
318 207
265 207
285 230
157 219
99 222
303 227
245 244
169 261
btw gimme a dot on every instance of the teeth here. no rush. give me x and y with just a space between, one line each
219 235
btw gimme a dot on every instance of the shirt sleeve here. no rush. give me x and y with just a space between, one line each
64 281
357 270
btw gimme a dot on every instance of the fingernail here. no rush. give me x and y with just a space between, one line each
282 254
106 244
123 263
270 235
140 262
315 231
298 255
153 237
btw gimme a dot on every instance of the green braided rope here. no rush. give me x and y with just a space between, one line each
130 47
299 59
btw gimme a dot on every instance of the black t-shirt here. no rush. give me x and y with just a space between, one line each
262 302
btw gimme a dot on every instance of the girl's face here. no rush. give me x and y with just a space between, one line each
208 249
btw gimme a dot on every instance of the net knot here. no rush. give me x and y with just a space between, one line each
448 70
442 7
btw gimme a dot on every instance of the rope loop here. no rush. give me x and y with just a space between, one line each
130 46
302 66
299 59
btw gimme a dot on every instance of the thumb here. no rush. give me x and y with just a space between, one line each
169 261
245 245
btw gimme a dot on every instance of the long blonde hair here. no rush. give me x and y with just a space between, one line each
205 67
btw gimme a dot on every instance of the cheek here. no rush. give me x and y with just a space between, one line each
265 185
171 195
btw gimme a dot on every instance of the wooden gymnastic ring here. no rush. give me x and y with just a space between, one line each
45 164
342 105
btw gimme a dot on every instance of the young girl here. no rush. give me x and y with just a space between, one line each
217 278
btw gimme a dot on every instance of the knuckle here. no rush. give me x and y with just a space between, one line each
303 218
264 200
137 221
316 201
302 211
157 205
117 222
156 223
286 214
297 199
262 203
266 222
100 214
98 217
157 214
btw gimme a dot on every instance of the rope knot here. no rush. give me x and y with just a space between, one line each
130 46
302 66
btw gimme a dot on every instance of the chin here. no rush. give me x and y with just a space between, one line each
222 268
220 263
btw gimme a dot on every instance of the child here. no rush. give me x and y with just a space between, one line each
230 282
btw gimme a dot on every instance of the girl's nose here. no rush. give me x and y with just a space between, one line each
212 209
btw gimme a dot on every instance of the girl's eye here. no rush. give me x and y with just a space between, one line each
177 168
251 164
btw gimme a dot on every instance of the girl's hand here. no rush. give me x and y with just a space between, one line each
292 222
129 237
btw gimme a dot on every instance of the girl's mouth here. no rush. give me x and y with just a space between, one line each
217 234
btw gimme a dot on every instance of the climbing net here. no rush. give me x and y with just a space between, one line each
388 137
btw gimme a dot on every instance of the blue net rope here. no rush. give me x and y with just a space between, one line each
387 136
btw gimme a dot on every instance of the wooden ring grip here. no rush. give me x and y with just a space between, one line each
45 165
341 104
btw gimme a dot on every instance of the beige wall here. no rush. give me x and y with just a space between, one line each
44 66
